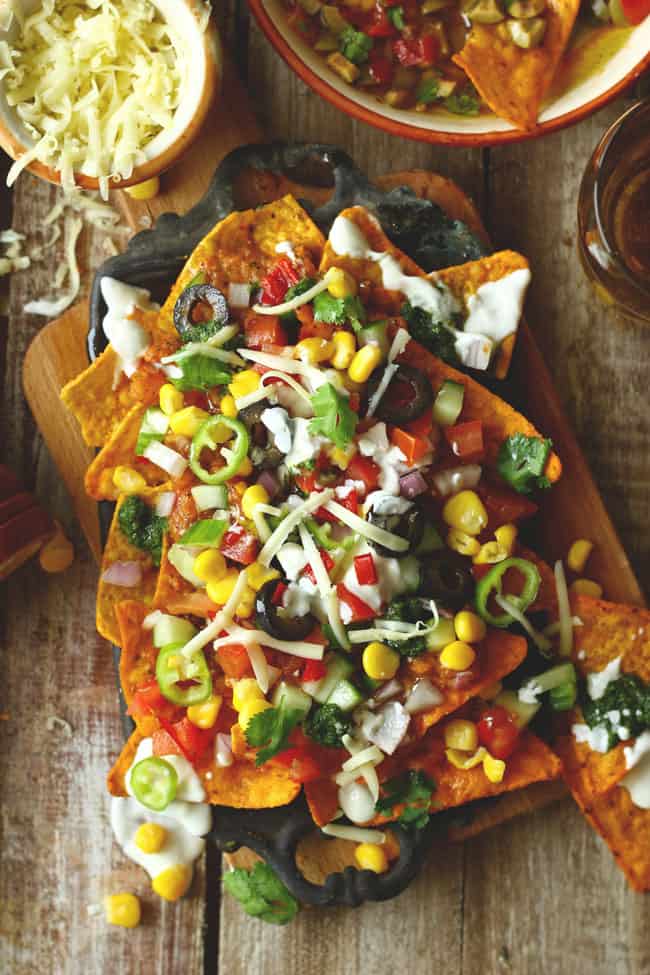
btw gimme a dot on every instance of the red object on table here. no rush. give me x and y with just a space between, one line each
24 525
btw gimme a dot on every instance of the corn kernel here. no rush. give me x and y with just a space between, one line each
494 768
469 627
466 512
204 715
244 382
57 555
246 689
461 735
221 590
380 662
464 761
490 554
314 350
210 566
506 536
122 910
370 856
341 456
249 710
586 587
458 656
578 554
173 882
187 421
146 190
150 837
462 543
171 399
258 575
344 349
128 481
341 284
252 496
246 605
364 363
227 407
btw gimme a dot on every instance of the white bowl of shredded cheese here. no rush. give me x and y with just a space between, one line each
104 93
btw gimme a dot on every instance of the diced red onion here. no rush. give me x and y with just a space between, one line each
165 503
223 750
239 295
411 485
269 481
424 696
126 574
456 479
391 729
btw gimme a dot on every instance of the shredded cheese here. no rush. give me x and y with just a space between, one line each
298 301
564 606
376 534
298 648
259 664
325 587
221 620
355 833
540 641
287 525
372 754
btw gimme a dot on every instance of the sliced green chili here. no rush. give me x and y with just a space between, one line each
183 680
154 782
490 585
204 438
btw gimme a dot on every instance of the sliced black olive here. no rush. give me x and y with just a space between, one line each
408 525
264 454
447 579
274 619
194 295
408 395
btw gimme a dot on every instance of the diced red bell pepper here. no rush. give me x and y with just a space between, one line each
363 469
301 762
380 23
263 330
636 10
417 52
328 562
278 593
359 610
422 426
193 741
314 670
349 501
381 69
498 732
306 482
504 506
466 440
234 660
240 546
366 570
412 446
278 281
149 699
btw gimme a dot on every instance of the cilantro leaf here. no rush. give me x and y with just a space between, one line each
338 311
434 335
521 462
327 725
428 91
334 419
465 102
413 789
269 730
396 17
355 45
262 894
142 526
201 372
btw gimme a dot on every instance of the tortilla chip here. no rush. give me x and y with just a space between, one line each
486 813
585 771
323 800
442 191
116 779
119 549
120 451
514 81
242 248
499 654
138 654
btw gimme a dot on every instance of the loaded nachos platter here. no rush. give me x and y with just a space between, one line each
316 568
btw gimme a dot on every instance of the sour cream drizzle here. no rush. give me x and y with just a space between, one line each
128 338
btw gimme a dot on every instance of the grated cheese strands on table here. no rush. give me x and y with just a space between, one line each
52 307
94 87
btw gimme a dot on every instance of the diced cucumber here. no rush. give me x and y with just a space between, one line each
338 667
204 533
560 674
442 635
346 696
430 541
172 629
154 426
410 573
563 697
448 403
207 496
294 697
375 334
522 712
183 561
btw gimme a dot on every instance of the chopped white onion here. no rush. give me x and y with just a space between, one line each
456 479
423 697
391 689
355 799
166 458
164 504
151 619
239 295
391 728
223 750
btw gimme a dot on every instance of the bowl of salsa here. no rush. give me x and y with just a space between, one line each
473 72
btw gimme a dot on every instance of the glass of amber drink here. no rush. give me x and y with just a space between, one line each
614 215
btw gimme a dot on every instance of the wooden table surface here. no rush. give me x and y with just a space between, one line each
539 896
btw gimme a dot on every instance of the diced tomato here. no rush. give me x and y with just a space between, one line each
315 330
240 546
149 699
349 501
278 281
636 10
418 52
380 24
412 446
366 570
422 426
301 762
354 402
498 732
306 482
314 670
191 739
328 562
359 610
381 69
262 330
164 743
363 469
466 440
234 660
504 506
